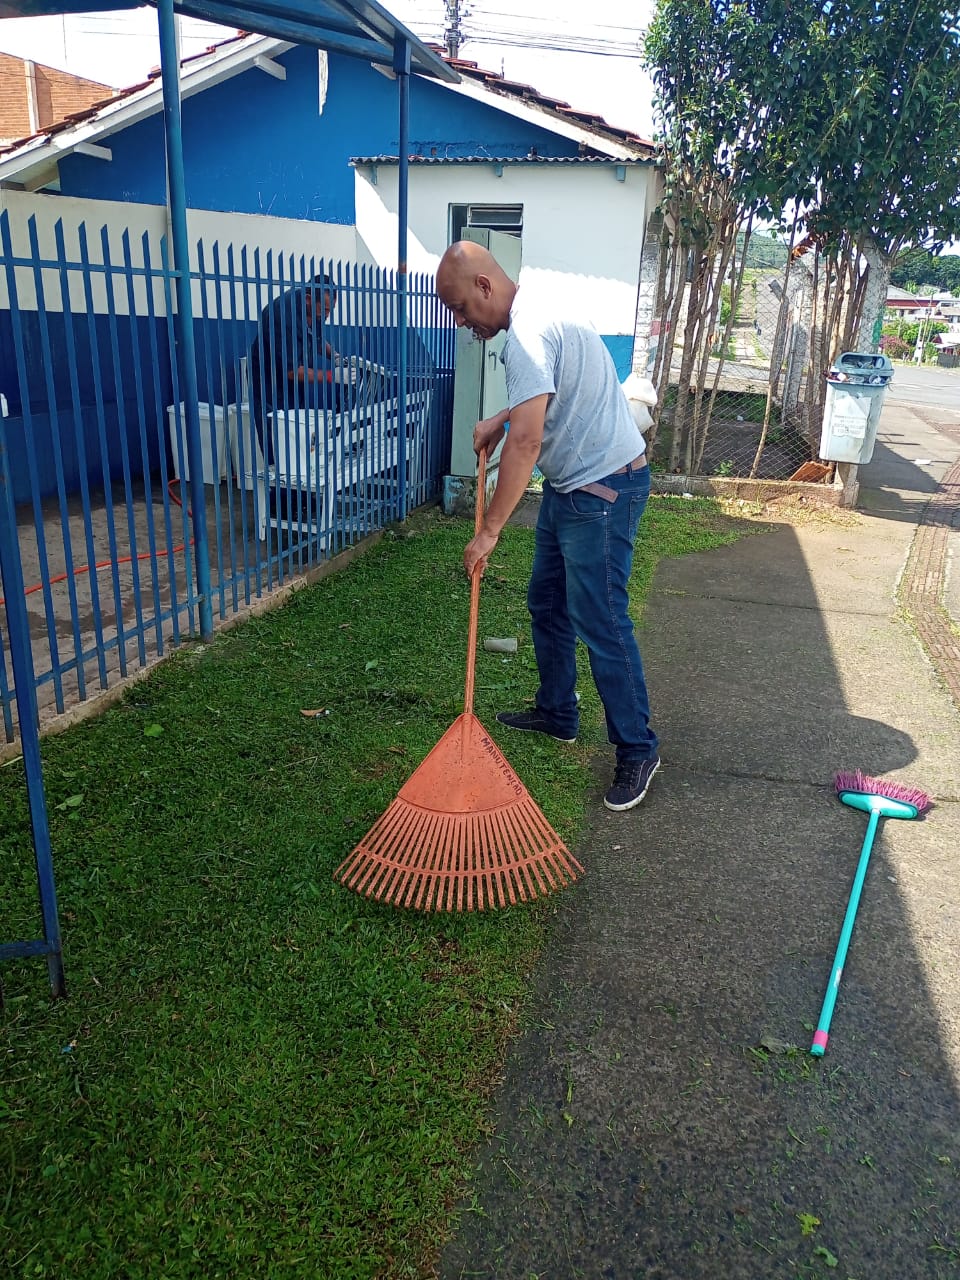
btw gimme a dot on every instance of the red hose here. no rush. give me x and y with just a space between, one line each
105 564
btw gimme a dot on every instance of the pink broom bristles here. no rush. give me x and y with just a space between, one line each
857 781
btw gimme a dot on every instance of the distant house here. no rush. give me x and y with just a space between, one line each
948 347
33 96
902 303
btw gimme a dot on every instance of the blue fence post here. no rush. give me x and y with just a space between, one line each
21 659
401 65
176 183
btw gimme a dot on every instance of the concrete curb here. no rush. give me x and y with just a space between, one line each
922 583
755 491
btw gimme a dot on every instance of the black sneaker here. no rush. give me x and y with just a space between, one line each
631 782
532 722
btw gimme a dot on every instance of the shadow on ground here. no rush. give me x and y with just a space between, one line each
661 1116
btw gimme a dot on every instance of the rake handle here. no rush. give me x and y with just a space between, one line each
474 590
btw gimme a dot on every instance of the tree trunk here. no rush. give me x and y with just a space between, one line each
668 336
736 289
681 426
776 351
880 265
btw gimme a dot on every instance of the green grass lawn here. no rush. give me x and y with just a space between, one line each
257 1072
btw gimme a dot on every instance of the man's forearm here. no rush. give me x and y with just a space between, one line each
517 460
307 374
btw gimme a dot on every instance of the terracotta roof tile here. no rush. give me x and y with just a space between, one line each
77 117
526 93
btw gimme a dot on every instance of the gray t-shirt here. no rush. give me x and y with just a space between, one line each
589 431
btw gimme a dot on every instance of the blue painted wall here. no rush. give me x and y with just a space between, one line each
255 144
620 346
62 412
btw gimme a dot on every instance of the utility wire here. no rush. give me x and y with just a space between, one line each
477 25
625 31
609 49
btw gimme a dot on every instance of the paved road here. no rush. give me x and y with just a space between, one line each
937 387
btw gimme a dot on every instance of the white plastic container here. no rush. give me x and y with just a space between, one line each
211 429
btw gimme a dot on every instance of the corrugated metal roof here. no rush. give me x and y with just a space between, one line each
416 159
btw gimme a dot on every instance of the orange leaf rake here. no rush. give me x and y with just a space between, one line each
463 834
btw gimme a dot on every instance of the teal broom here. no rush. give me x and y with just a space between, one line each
880 800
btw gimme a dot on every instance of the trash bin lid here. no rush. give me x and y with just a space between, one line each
866 368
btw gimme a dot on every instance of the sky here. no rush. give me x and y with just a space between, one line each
119 48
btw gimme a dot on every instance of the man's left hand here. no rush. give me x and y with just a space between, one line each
478 551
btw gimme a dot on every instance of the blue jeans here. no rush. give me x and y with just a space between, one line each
578 587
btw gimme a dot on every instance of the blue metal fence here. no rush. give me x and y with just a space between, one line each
296 465
311 422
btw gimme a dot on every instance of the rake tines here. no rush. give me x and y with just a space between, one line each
463 834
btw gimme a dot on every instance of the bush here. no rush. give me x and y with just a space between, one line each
895 348
907 330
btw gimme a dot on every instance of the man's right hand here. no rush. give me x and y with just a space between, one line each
478 550
488 432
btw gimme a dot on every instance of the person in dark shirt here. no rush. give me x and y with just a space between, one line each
292 364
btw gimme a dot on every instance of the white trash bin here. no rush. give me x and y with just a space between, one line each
856 386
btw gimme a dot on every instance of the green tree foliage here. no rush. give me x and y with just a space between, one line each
837 117
917 269
889 168
847 109
908 330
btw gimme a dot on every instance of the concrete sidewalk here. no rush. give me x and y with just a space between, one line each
661 1116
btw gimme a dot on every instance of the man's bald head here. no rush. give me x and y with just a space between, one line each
475 288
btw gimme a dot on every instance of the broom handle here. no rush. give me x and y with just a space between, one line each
821 1035
474 590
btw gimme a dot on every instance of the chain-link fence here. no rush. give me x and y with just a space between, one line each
745 413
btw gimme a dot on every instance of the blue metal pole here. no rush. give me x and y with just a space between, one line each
401 65
21 659
177 190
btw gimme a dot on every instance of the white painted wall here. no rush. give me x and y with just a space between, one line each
281 236
582 228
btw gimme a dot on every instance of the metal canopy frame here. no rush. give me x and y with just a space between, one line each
357 28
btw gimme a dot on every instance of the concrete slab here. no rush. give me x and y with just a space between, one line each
763 688
834 560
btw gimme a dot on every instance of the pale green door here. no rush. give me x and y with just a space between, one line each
480 388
